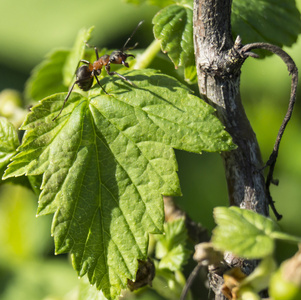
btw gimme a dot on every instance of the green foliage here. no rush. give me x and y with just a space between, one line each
282 289
88 292
47 77
76 54
272 21
106 162
27 270
250 235
169 284
171 247
246 233
57 71
256 21
171 255
8 143
259 279
173 28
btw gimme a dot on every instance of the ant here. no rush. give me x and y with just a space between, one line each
85 74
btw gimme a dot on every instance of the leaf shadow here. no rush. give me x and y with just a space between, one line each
154 80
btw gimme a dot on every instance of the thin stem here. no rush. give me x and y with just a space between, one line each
285 237
145 59
292 68
190 280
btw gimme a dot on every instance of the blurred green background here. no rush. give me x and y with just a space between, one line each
28 31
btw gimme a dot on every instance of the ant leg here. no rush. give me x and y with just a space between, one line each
96 53
125 64
68 95
119 75
100 84
95 49
83 61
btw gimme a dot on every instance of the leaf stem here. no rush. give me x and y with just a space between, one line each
285 237
144 60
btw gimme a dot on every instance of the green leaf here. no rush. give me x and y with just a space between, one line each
254 21
169 284
57 71
47 77
259 279
9 143
88 292
107 161
171 247
243 232
175 259
173 28
175 233
76 55
273 21
246 233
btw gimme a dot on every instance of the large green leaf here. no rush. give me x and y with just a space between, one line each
107 161
273 21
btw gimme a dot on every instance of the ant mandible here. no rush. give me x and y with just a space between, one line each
86 73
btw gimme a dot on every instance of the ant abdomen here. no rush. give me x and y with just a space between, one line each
85 80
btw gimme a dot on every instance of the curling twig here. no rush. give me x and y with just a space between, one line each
292 68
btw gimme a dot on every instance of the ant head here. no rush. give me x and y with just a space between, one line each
119 57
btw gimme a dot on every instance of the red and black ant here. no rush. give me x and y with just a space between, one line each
85 74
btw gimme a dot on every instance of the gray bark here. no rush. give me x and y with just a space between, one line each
218 65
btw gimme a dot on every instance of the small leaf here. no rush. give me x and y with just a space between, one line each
171 247
243 232
175 259
47 77
259 279
169 284
8 143
76 55
106 162
175 233
173 28
57 71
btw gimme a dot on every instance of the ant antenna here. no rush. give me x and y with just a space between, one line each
123 48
